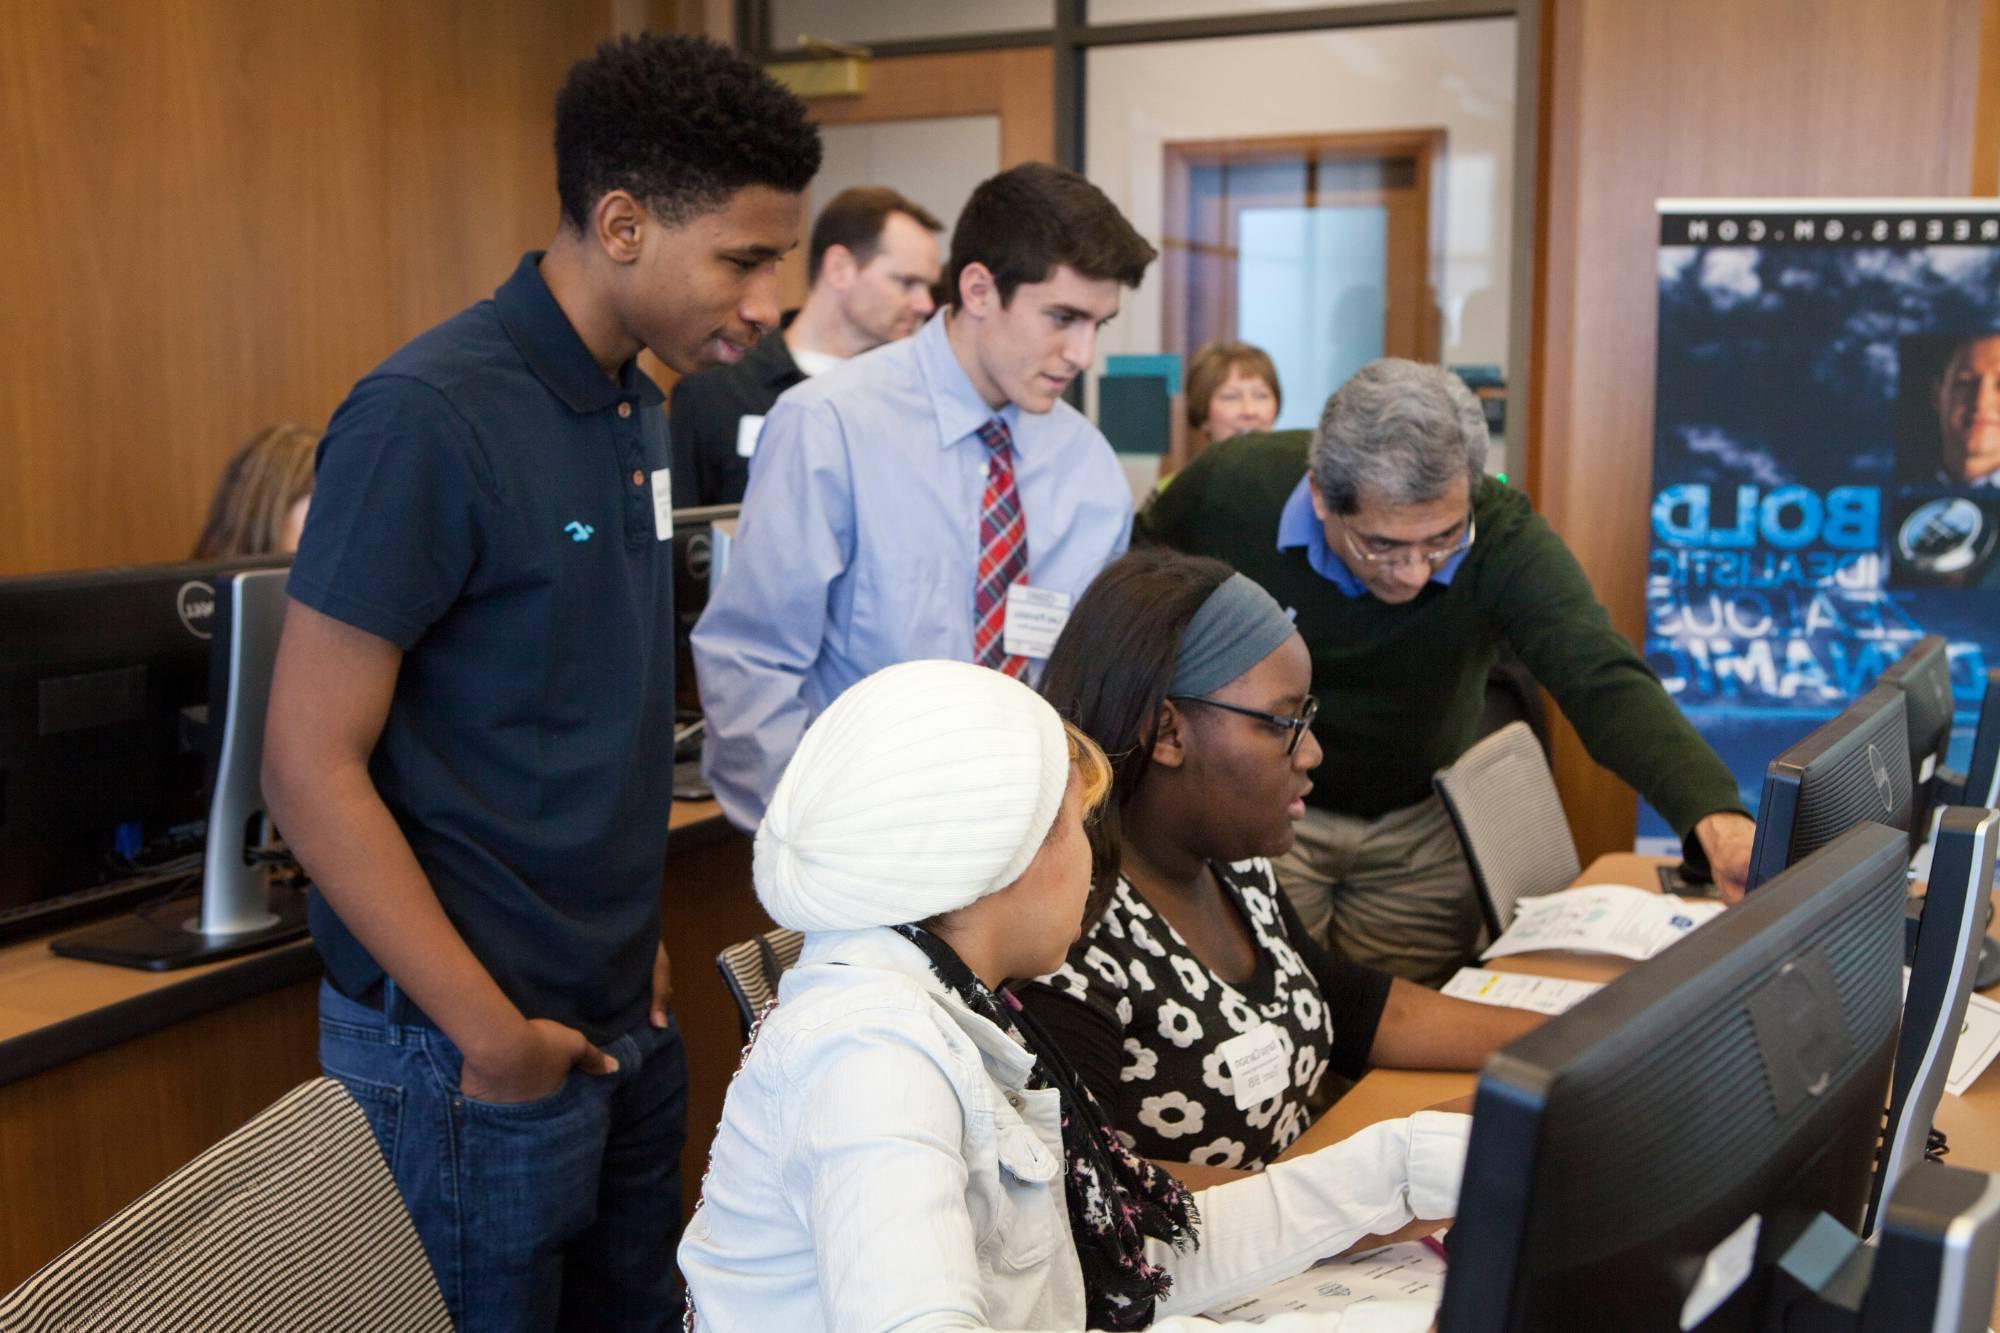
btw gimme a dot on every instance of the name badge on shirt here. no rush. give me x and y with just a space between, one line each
1035 618
663 503
747 431
1257 1065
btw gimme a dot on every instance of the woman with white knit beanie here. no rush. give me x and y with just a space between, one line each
902 1148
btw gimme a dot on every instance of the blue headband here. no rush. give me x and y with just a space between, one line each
1236 628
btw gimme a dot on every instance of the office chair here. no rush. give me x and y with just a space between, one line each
291 1222
751 970
1502 800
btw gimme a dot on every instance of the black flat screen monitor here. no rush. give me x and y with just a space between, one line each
1923 674
1852 768
1700 1111
101 776
696 553
1982 773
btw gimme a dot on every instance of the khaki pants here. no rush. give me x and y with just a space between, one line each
1392 892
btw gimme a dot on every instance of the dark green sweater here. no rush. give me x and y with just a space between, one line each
1401 687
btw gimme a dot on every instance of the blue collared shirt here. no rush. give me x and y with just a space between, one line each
859 543
1299 526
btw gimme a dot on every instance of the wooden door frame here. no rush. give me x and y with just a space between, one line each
1423 146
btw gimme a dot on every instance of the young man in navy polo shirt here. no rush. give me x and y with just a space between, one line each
470 738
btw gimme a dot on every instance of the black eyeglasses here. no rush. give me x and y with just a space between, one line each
1297 725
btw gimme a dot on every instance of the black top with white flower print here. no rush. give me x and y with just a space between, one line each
1132 982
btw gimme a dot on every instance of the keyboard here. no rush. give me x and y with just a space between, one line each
94 902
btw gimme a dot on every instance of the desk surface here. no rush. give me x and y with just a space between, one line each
1970 1123
54 1009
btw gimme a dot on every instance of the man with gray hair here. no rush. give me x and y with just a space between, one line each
1407 568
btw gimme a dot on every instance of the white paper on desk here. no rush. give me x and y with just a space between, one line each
1394 1281
1978 1043
1515 990
1601 918
1978 1040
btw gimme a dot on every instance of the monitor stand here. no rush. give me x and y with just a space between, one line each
168 935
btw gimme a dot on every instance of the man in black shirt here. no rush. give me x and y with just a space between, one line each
873 260
471 720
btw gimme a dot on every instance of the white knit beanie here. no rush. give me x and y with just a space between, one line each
923 788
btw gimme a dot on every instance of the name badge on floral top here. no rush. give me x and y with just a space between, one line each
1258 1068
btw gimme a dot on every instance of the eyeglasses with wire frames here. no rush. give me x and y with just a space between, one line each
1297 724
1407 551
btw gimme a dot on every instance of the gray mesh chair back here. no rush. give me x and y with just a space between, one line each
1502 799
292 1222
751 970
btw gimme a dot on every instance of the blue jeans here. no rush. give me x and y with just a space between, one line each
561 1213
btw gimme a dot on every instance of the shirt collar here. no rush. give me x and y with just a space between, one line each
1299 526
554 351
880 947
956 405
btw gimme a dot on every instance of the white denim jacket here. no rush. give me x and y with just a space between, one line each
881 1165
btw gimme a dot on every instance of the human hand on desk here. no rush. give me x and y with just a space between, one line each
1726 839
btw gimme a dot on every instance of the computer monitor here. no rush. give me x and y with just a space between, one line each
699 551
1923 674
1943 963
239 908
1852 768
1645 1160
1980 783
103 674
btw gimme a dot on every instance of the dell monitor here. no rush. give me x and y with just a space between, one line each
240 907
1850 769
1979 784
698 555
103 676
1923 674
1644 1161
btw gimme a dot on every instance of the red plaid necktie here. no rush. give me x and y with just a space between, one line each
1003 553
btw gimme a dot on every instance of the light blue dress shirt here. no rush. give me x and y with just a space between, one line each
859 542
1299 526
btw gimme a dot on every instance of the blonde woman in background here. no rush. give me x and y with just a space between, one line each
261 500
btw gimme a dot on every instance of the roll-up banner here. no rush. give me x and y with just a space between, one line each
1826 462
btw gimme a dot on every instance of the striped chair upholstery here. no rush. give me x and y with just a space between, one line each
1502 799
751 970
292 1222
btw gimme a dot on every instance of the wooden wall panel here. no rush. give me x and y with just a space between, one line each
1660 98
220 213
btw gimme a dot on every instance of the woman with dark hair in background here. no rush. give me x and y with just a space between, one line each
261 500
1194 1006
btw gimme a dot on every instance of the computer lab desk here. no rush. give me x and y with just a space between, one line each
113 1078
1971 1123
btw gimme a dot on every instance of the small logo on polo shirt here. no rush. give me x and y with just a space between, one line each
578 532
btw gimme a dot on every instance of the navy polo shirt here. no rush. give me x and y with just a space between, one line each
484 501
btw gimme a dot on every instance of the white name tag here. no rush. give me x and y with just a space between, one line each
1035 618
663 503
1257 1065
747 431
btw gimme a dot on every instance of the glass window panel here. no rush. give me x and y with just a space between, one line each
1310 285
1218 103
903 20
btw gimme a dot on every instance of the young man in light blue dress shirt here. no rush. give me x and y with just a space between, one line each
861 538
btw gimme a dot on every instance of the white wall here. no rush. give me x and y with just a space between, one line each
1458 76
936 162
